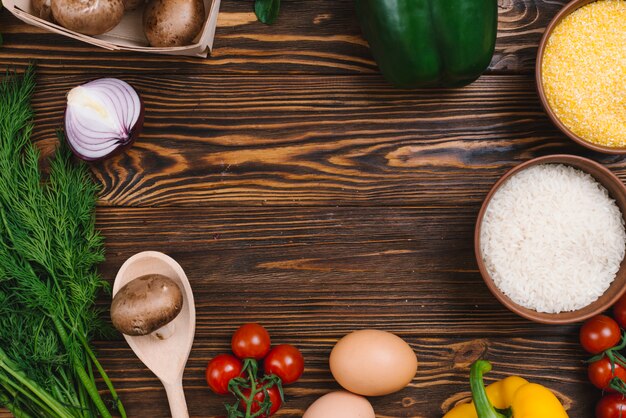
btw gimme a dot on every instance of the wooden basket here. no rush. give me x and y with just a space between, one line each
128 35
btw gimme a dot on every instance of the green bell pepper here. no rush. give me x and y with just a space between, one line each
430 43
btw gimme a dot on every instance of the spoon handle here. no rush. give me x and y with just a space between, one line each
176 398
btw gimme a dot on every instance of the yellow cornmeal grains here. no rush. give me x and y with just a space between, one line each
584 72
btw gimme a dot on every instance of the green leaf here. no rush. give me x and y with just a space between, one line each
267 10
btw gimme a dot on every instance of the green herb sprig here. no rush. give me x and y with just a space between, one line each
49 251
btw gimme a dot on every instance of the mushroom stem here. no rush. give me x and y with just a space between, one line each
165 332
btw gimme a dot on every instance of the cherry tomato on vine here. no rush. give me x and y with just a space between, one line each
220 371
259 398
599 334
619 311
612 405
251 341
600 374
286 362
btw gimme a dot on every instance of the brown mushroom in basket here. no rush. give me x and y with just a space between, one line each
147 305
42 9
130 5
169 23
89 17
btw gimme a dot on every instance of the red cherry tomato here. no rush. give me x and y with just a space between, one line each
251 341
599 334
600 374
286 362
612 405
619 311
257 403
220 371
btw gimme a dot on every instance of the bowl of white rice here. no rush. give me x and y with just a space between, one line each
550 239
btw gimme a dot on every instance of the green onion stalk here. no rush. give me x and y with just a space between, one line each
49 252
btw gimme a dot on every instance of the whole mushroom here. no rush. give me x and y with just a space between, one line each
147 305
169 23
89 17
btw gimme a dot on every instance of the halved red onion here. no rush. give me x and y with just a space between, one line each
102 117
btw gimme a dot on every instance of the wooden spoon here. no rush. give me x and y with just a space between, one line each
166 358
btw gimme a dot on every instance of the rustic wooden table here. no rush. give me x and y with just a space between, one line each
299 190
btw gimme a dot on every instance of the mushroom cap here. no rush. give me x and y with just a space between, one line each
145 304
169 23
89 17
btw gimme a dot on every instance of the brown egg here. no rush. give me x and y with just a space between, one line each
90 17
173 22
340 405
373 363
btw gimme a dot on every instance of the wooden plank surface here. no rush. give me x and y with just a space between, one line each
299 190
317 140
312 275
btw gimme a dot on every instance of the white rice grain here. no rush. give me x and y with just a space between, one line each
552 239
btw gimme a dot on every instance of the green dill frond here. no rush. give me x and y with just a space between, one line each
49 252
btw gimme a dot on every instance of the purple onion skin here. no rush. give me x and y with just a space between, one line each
134 134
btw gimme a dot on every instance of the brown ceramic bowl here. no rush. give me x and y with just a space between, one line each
568 9
617 191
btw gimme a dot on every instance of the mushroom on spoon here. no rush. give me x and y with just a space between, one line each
147 305
148 276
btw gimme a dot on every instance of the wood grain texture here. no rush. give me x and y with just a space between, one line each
412 266
303 140
299 190
310 37
312 275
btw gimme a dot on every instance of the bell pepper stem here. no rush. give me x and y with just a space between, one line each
484 408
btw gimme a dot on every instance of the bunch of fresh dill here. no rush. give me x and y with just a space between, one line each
49 251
